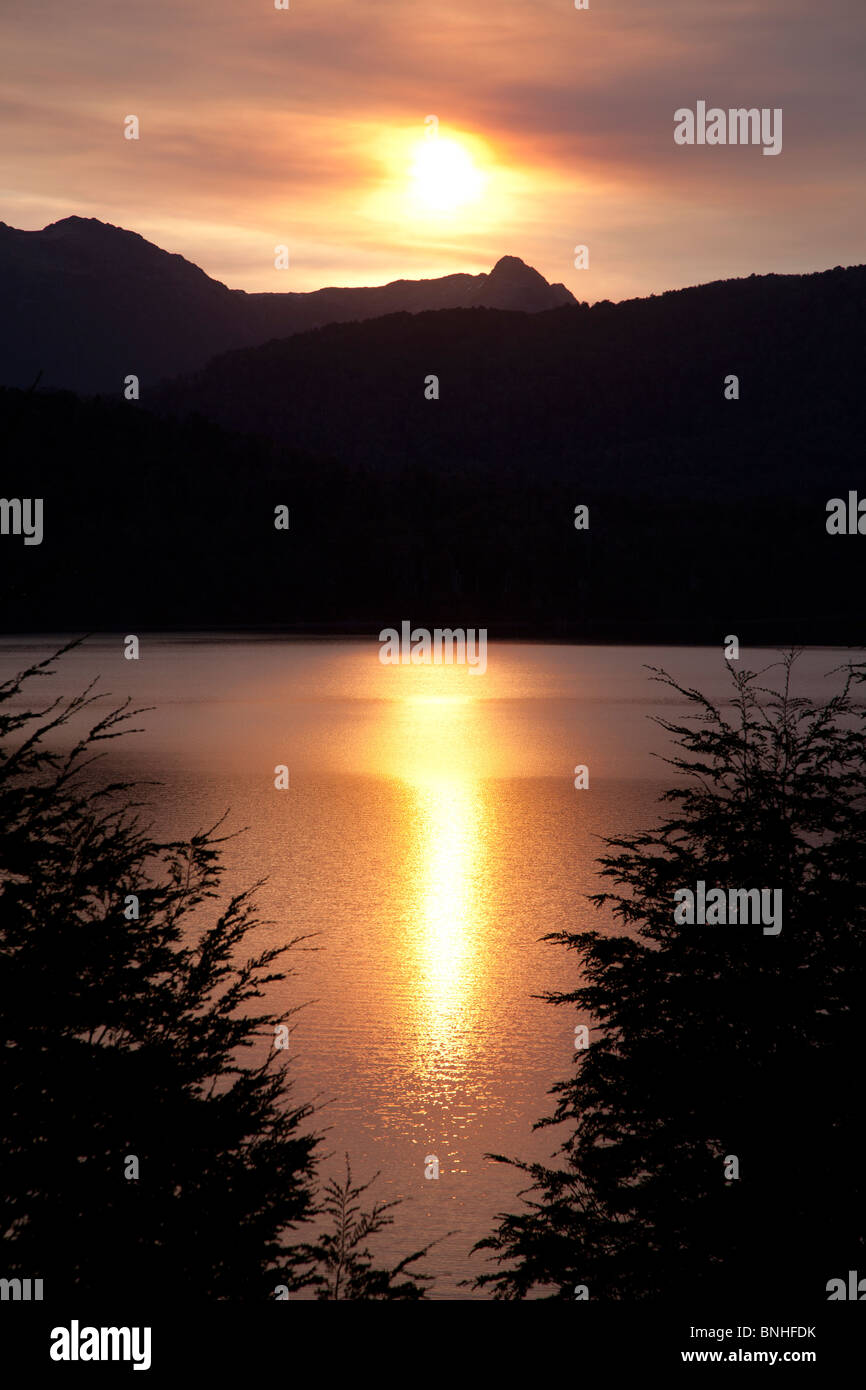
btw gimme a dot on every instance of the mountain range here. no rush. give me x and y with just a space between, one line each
704 431
634 398
87 303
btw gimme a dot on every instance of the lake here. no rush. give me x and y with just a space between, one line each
430 835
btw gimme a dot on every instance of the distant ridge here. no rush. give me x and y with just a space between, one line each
629 396
707 507
86 303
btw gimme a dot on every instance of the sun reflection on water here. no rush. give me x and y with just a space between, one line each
449 856
435 745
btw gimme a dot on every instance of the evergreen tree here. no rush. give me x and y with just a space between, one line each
132 1043
719 1041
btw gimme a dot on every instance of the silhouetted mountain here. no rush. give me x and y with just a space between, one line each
627 397
160 523
707 516
513 285
87 304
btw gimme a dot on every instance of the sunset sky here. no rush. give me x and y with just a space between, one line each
302 127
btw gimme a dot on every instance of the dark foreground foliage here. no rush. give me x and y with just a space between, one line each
150 1145
341 1259
715 1041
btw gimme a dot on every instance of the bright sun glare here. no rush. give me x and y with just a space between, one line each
443 174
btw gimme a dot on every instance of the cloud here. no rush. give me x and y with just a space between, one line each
257 121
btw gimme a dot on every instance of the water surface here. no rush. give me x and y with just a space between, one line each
430 836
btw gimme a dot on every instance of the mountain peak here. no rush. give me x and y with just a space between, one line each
512 284
513 266
90 225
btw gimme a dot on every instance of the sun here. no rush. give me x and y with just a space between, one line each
443 175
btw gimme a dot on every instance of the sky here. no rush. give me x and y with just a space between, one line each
308 128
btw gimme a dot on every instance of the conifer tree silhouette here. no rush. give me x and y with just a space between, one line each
132 1039
716 1041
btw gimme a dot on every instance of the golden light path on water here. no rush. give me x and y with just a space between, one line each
434 743
450 841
